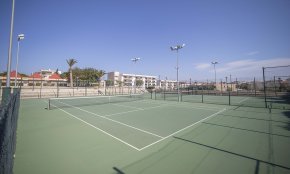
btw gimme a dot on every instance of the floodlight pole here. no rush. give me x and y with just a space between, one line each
177 75
135 61
7 90
10 47
19 38
176 48
214 63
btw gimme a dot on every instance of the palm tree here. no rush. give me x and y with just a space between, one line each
100 74
71 63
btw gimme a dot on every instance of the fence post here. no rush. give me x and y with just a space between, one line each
255 86
57 88
265 95
229 98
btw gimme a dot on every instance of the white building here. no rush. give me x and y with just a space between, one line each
167 84
122 79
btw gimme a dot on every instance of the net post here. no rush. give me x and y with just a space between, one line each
270 107
48 104
202 97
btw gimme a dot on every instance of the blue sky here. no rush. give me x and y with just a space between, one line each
242 35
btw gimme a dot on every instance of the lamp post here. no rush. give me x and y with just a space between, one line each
176 48
7 90
214 63
19 38
10 47
135 61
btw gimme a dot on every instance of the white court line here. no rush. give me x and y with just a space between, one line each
200 108
182 129
120 113
243 100
124 124
147 146
187 103
128 106
98 129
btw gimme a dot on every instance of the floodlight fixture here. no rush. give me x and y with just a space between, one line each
135 59
20 37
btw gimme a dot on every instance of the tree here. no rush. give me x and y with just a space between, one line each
109 83
139 83
100 74
71 63
65 75
120 83
56 71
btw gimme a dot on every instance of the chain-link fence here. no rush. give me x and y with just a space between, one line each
8 125
247 93
276 86
57 88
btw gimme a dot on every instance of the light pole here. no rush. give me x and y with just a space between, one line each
176 48
214 63
10 47
7 90
135 61
19 38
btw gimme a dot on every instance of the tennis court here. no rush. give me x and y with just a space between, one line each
125 134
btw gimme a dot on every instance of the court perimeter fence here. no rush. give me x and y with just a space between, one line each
233 98
8 125
276 85
76 91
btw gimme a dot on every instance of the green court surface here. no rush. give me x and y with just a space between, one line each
151 136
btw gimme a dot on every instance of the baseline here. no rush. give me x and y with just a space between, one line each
145 147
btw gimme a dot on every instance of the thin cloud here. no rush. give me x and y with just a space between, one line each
202 66
253 53
250 67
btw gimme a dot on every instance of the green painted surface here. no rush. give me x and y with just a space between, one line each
151 136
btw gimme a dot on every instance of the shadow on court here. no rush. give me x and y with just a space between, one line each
212 147
287 114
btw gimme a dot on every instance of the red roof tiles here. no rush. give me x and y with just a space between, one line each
35 75
55 76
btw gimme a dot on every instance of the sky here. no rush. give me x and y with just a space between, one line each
241 35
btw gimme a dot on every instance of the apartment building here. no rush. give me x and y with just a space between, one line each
167 84
123 79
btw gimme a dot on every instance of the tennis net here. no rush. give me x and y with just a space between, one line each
54 103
